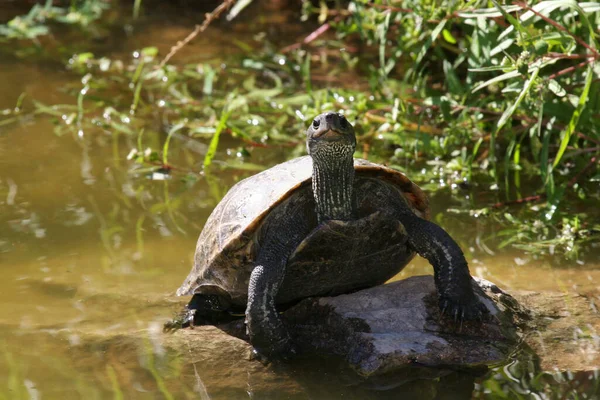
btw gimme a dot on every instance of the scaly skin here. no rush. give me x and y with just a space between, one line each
264 325
451 271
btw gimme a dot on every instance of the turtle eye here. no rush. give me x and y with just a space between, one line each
316 123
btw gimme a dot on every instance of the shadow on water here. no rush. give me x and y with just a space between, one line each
91 254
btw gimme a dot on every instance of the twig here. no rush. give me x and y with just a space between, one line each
560 28
573 181
566 56
583 151
571 68
209 17
584 137
527 199
312 36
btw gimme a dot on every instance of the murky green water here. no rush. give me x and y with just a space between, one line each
91 255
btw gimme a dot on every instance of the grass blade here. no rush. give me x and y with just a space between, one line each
499 78
214 142
434 34
174 129
575 117
510 110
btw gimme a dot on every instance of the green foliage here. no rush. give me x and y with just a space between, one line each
538 236
35 23
515 83
519 380
498 99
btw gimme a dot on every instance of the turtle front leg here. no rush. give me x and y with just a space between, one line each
268 335
265 327
451 272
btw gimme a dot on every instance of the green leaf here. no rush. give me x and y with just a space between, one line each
214 142
82 58
237 8
149 51
454 84
487 12
306 74
512 20
382 30
500 78
510 110
546 7
505 44
488 69
448 36
209 78
555 87
590 7
174 129
575 117
434 34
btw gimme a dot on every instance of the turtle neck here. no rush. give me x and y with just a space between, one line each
333 182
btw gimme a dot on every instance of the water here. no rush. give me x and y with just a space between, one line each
91 256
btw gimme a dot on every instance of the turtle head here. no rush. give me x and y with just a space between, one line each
332 135
331 142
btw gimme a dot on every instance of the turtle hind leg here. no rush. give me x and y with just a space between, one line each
203 309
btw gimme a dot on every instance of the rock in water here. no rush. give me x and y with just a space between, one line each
382 329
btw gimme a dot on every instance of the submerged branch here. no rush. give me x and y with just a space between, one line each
527 199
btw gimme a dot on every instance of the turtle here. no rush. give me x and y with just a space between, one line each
318 225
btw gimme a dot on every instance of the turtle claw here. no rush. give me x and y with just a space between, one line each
277 345
282 350
461 309
183 320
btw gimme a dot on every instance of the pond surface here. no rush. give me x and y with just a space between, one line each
91 255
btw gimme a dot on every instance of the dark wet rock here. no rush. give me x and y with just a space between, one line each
384 329
221 366
389 327
381 331
390 341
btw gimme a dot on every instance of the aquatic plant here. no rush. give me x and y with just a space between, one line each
37 21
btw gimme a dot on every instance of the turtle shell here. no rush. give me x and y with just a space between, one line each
226 246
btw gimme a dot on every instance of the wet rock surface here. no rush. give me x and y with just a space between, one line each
223 367
382 329
381 334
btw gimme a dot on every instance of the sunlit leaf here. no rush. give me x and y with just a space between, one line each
448 36
566 137
237 8
556 88
510 110
487 12
434 34
499 78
